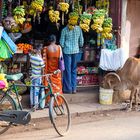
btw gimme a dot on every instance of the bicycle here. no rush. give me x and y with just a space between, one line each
13 113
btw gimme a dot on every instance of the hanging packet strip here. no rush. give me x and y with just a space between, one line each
1 31
9 41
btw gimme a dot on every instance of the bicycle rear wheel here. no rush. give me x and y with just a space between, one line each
6 103
60 114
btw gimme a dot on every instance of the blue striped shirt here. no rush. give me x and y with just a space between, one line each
71 40
37 64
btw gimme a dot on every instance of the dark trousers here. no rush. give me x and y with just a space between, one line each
70 73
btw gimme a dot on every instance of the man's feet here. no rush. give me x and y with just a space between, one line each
66 92
74 92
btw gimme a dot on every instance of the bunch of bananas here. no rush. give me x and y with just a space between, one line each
19 13
78 8
15 29
54 16
37 5
107 28
102 4
64 7
98 19
85 20
84 27
71 27
36 8
73 18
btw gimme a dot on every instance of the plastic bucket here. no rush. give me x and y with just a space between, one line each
105 96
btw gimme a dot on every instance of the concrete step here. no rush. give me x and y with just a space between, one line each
83 95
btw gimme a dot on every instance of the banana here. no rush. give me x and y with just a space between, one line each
64 7
54 16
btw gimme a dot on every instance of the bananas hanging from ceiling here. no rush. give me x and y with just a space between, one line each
54 16
85 20
19 13
64 7
36 8
107 28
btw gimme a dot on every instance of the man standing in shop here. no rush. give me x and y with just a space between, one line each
70 41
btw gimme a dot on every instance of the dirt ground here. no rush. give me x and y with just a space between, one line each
43 123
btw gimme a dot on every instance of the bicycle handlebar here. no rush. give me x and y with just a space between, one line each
49 74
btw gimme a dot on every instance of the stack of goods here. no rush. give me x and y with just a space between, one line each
82 70
107 28
85 20
98 19
91 10
73 20
87 80
24 47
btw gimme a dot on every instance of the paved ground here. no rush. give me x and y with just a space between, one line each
119 125
81 108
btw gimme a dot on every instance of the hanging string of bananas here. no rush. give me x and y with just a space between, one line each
64 7
54 16
85 20
19 13
73 20
98 19
36 8
107 28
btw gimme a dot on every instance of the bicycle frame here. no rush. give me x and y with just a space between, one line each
23 117
14 87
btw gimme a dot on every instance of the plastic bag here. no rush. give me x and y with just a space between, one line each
2 84
61 64
9 41
15 36
4 51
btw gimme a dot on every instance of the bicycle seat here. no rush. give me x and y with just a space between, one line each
14 77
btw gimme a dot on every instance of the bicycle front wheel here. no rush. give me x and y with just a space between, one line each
60 114
6 103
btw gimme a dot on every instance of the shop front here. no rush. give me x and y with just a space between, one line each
99 20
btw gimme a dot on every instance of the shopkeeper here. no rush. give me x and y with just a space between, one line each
71 41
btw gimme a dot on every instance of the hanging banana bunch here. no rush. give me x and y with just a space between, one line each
103 4
36 8
85 20
98 19
54 16
19 13
73 20
64 7
107 28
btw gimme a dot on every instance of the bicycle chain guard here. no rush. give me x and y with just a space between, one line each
15 116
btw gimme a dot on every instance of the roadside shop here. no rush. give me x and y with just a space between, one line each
30 22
